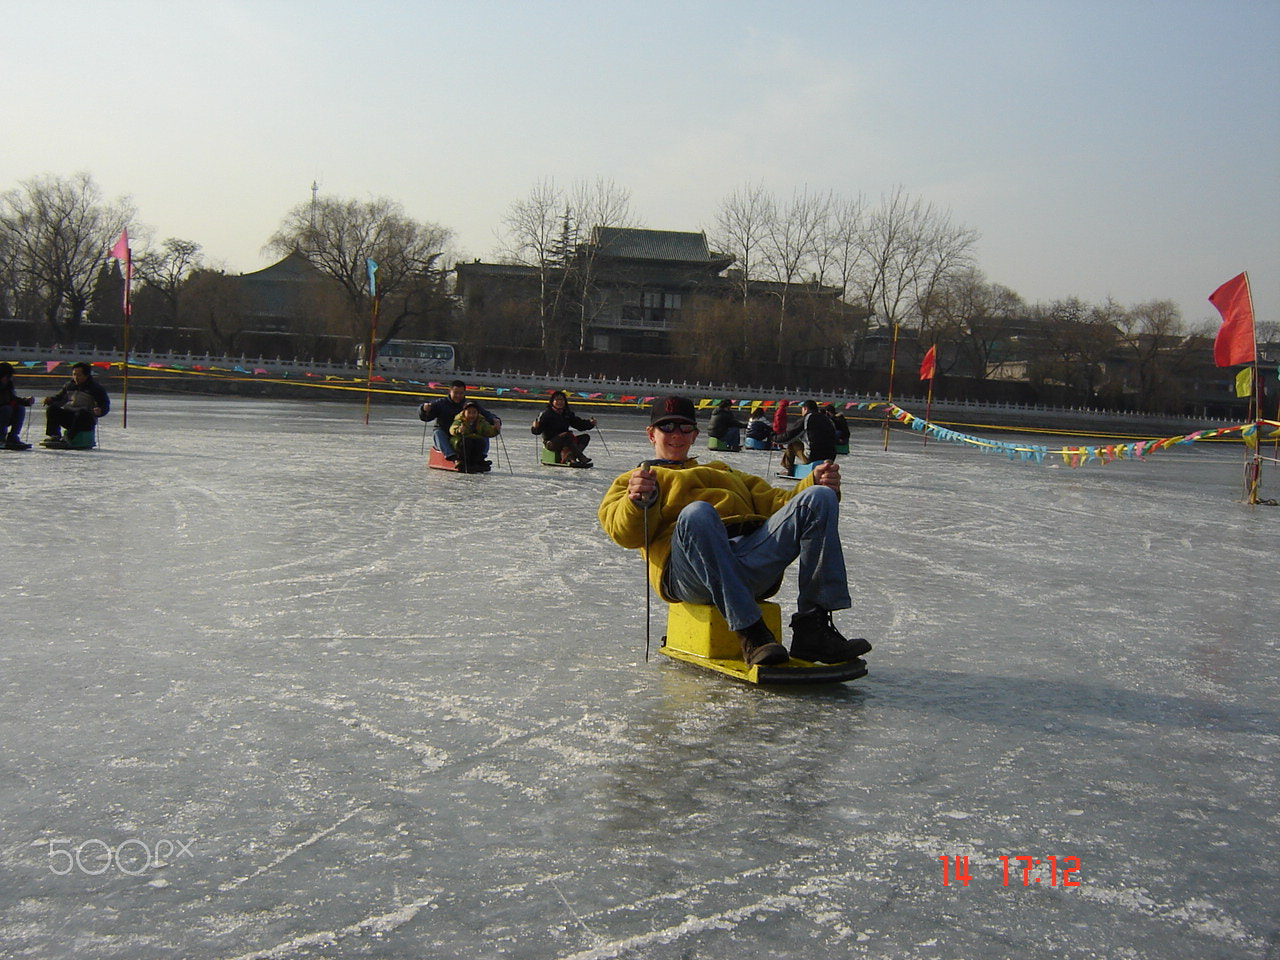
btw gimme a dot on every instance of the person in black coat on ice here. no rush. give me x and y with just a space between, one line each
13 410
75 408
812 440
725 426
556 424
838 421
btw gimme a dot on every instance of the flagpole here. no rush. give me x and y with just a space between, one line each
128 314
1255 401
372 267
373 346
929 365
123 254
928 411
1234 300
893 364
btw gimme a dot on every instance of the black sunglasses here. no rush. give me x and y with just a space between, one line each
671 426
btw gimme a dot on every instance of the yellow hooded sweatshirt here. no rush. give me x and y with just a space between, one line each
738 497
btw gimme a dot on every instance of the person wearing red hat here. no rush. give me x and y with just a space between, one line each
714 535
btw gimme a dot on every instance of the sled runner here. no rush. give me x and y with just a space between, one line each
698 635
438 461
799 471
551 459
80 440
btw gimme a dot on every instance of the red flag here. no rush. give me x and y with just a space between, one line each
122 253
930 363
1235 340
121 250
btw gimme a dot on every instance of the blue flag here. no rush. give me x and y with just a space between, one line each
373 279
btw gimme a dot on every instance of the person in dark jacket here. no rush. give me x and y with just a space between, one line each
725 426
77 407
13 411
556 424
758 428
839 422
812 440
444 411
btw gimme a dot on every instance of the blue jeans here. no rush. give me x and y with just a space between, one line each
444 443
705 566
11 420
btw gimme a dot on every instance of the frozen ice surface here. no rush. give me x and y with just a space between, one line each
273 689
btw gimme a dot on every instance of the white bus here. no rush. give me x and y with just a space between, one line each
411 356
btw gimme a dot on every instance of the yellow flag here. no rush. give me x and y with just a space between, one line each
1244 382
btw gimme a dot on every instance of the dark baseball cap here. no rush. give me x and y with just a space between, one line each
673 410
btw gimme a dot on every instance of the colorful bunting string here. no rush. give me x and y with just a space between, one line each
1251 433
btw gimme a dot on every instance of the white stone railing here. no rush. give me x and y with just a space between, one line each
541 381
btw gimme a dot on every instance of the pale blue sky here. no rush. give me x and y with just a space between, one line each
1124 149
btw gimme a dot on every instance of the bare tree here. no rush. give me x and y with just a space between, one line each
553 231
793 247
537 230
58 235
339 237
946 251
214 302
742 224
910 250
601 203
979 316
166 269
840 260
1073 341
1152 336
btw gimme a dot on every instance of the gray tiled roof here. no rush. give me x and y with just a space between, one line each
637 244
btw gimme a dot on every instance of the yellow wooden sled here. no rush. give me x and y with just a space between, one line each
698 635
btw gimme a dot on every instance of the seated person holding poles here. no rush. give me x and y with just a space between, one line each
76 408
812 440
13 410
470 435
444 411
725 427
717 536
556 424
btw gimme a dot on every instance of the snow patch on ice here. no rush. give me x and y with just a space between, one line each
375 926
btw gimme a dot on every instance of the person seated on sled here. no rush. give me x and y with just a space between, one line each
13 410
758 427
77 407
714 535
470 434
839 422
556 424
811 440
725 426
444 410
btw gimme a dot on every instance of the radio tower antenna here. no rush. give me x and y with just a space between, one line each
315 201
